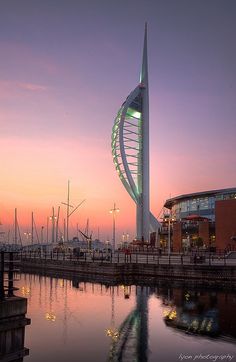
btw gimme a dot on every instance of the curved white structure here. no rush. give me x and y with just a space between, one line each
130 149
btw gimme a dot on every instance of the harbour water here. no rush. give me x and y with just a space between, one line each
73 320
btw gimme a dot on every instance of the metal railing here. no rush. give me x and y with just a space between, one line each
132 257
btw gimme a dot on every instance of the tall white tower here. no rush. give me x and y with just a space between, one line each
130 149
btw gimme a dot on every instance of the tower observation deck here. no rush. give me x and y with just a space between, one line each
130 149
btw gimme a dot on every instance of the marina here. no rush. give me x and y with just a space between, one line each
117 220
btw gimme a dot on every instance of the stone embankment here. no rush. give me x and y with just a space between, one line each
200 273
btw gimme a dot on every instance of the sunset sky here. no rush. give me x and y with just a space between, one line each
66 67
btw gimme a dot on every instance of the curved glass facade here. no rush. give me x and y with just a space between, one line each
130 150
200 205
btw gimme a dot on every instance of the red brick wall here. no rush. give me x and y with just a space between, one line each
225 213
177 236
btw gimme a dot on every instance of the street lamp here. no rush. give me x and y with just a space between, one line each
113 212
170 219
125 239
42 227
27 235
53 218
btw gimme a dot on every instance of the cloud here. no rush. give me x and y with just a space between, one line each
8 89
32 87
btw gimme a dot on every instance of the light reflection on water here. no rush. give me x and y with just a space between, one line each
79 321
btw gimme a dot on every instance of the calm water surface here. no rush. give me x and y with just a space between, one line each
77 321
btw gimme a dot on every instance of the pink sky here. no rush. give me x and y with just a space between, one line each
60 89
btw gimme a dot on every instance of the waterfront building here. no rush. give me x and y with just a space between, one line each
130 150
204 220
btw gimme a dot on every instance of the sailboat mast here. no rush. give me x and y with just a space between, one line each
15 239
57 223
32 228
68 211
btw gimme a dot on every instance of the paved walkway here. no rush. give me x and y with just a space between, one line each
142 258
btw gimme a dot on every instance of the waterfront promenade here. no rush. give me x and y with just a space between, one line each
207 270
134 258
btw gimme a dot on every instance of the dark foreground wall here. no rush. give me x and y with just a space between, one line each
12 329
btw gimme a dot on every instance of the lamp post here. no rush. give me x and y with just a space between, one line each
47 228
53 218
42 227
107 242
125 239
113 212
170 219
27 235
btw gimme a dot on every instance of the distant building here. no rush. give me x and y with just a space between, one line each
200 220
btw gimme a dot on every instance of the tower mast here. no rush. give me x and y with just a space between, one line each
143 159
130 149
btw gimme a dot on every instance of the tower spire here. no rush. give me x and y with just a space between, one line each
133 167
144 69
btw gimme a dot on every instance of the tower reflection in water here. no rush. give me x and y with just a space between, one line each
130 340
195 312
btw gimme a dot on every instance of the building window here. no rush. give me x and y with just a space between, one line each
184 206
211 202
193 205
204 203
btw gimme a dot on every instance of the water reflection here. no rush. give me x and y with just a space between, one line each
99 322
202 312
130 341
